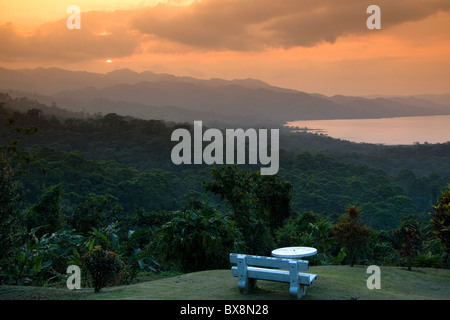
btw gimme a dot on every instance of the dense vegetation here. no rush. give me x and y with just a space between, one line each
72 183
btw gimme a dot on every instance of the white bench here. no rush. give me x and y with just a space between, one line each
250 268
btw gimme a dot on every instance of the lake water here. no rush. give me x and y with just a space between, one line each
388 131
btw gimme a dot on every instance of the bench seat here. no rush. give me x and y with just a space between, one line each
279 275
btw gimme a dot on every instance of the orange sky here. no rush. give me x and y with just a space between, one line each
318 46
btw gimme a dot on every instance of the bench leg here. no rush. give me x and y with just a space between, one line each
246 285
297 291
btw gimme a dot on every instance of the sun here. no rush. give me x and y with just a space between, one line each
108 61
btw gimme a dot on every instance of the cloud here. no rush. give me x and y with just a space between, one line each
102 35
258 24
208 25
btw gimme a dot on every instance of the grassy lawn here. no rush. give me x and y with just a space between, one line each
333 283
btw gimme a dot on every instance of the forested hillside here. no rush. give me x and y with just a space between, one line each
130 159
79 177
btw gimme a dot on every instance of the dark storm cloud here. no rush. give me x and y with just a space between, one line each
240 25
257 24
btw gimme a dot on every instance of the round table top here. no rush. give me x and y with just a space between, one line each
294 252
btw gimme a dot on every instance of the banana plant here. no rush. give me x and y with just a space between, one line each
29 265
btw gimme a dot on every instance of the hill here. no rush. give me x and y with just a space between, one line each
149 95
130 159
333 283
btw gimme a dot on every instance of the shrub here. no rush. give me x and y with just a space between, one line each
351 233
102 266
197 239
409 239
441 219
308 229
429 260
129 250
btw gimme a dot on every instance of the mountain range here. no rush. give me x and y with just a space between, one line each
168 97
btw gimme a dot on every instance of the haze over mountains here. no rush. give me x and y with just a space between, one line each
168 97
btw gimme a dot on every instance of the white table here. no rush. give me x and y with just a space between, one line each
294 252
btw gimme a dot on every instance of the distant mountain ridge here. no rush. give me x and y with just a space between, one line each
169 97
53 80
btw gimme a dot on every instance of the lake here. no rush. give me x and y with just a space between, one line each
388 131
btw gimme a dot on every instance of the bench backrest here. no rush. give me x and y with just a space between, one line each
268 262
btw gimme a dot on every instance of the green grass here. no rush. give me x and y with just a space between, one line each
333 283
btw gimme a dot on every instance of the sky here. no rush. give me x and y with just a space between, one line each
321 46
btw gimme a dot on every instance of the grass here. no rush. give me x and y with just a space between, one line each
333 283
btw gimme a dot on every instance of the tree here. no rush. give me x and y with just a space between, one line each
408 239
11 158
236 188
95 212
47 215
9 203
351 233
441 219
259 204
274 196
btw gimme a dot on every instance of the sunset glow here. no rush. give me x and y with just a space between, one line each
322 48
199 143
